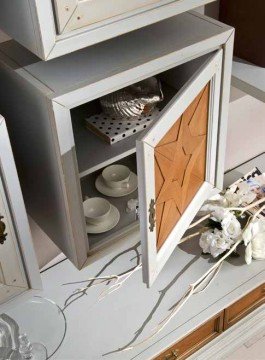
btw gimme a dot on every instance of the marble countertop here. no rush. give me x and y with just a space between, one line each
102 329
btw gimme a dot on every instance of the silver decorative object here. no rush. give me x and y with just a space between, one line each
133 101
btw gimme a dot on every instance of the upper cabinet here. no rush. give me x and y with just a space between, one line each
19 271
52 28
64 140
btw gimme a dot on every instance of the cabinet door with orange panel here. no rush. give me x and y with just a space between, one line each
176 162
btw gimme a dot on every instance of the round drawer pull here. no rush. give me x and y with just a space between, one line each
3 235
173 355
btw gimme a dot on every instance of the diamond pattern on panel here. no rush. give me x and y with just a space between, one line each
180 165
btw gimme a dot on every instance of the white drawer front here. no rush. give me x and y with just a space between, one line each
75 14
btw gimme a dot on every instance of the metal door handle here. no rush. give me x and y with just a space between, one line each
173 355
3 235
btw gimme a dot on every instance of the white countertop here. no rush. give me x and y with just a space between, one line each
98 330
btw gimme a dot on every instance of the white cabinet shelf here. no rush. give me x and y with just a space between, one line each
249 78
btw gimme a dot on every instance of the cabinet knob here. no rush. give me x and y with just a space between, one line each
173 355
3 235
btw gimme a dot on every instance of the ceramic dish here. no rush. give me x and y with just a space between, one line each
106 190
106 225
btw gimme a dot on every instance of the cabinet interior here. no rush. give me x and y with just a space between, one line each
94 154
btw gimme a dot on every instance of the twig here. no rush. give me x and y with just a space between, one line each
104 278
193 289
199 221
258 212
245 208
191 236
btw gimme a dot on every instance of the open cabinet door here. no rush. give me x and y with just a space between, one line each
177 165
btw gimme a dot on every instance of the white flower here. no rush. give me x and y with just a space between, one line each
220 214
214 203
214 242
247 195
231 226
254 239
243 195
233 199
248 254
205 241
258 246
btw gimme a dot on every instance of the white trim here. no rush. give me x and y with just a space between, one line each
43 18
154 261
233 338
63 122
224 108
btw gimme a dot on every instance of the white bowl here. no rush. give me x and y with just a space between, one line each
116 176
96 210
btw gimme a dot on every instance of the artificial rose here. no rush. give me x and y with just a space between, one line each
233 199
239 194
215 202
254 239
214 242
258 246
220 213
220 243
248 254
206 240
247 195
231 227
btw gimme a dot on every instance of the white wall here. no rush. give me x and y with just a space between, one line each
246 129
3 36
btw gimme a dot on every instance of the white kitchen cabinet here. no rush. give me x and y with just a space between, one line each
59 159
19 273
51 28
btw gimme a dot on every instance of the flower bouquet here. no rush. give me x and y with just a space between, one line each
227 224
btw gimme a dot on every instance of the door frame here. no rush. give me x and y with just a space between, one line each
153 260
60 105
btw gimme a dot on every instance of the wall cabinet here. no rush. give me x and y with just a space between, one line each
19 272
179 159
51 28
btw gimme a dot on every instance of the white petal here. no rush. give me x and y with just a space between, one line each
248 254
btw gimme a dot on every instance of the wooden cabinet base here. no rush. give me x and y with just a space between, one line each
215 326
244 306
195 340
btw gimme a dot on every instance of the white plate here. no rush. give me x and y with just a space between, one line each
106 190
110 223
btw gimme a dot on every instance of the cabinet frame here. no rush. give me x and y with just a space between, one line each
17 218
52 107
38 28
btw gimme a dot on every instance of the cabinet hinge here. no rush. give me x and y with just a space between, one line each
3 235
152 213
